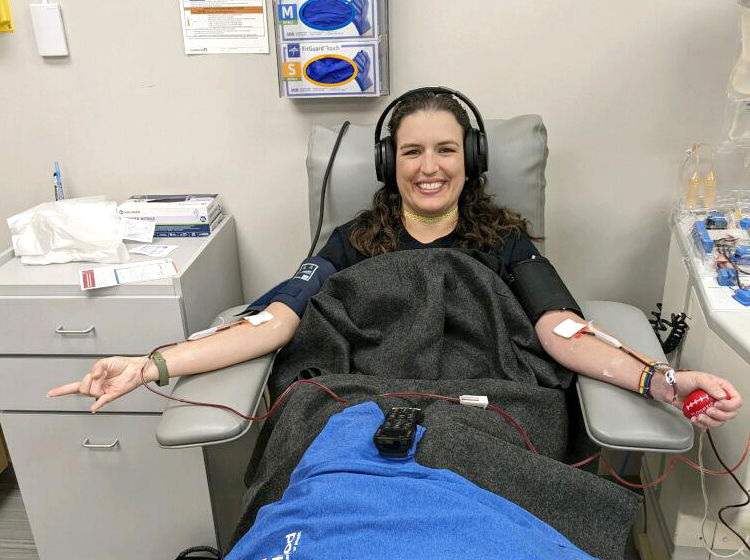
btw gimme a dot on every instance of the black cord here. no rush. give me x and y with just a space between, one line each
188 553
743 504
677 324
326 176
678 329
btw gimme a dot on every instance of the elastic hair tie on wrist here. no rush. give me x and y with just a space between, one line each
161 367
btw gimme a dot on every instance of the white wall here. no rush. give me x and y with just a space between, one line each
623 87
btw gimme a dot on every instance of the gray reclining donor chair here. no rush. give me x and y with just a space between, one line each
614 418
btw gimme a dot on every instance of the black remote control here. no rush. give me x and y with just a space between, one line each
395 436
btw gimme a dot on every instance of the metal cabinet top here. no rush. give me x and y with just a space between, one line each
17 279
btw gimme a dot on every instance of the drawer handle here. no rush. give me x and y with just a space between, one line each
61 330
88 445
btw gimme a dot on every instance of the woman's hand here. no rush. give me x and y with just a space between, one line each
728 400
108 379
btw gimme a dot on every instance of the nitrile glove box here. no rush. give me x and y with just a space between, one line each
171 209
347 68
305 20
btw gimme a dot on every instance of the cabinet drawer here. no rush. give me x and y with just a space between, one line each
24 382
130 500
104 325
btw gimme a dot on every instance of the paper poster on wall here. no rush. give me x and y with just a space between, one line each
224 26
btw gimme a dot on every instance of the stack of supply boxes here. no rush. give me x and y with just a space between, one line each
175 215
332 48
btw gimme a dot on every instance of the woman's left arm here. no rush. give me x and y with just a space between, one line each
591 357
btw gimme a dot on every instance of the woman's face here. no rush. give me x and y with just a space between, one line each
430 162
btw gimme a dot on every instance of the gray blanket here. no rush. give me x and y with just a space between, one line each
442 321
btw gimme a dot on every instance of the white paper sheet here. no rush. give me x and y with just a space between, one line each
106 276
153 250
137 230
224 26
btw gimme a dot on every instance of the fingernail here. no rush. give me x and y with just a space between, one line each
722 395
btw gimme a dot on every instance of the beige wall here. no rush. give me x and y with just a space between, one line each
623 88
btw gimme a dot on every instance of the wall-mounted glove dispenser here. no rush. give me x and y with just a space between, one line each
332 48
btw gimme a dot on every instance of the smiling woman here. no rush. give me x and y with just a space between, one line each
430 166
433 167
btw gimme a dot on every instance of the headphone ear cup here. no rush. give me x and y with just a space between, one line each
388 161
470 154
482 153
379 161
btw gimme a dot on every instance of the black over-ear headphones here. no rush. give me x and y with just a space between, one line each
475 143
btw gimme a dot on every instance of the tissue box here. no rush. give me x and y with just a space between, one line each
317 69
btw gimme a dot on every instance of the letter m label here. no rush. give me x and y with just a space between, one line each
287 13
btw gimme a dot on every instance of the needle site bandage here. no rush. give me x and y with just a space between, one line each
568 328
259 319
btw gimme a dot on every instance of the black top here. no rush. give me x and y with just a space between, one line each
511 249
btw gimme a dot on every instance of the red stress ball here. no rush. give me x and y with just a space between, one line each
698 402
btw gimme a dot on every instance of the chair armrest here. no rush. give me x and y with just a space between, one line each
620 419
239 386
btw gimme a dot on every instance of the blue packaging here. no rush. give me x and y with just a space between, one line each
316 20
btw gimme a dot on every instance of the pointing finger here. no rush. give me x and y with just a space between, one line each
68 389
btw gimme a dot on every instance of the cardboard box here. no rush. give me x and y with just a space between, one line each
171 209
177 229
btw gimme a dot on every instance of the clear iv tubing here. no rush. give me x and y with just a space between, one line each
455 400
705 509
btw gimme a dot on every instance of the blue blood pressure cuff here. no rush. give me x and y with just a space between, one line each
298 290
539 289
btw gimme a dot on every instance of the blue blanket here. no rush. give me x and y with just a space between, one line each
346 501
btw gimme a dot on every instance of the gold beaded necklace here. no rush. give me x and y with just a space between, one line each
430 219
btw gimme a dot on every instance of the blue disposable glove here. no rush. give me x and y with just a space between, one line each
327 15
330 70
362 60
360 18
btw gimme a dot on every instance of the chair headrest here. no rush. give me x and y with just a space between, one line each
517 160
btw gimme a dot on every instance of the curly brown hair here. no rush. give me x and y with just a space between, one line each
481 223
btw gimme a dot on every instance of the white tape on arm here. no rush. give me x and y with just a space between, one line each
568 328
259 319
203 334
611 340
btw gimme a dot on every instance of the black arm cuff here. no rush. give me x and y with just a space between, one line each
308 280
539 289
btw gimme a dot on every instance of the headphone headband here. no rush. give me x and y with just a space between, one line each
475 140
432 89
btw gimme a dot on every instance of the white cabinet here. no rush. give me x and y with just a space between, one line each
717 342
99 486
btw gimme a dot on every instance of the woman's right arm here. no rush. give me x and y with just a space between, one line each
113 377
